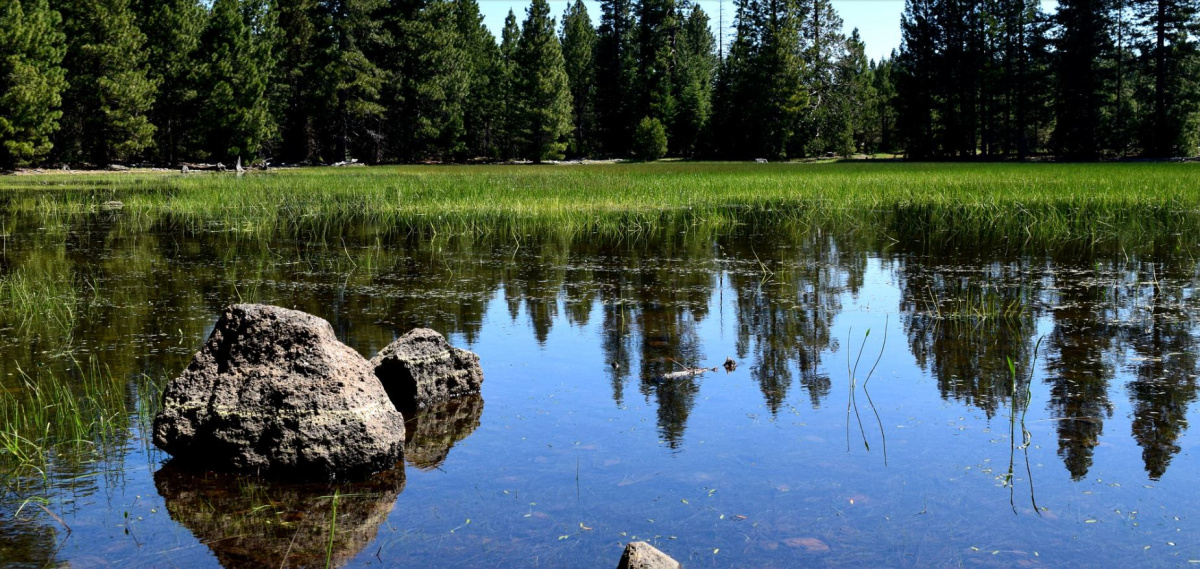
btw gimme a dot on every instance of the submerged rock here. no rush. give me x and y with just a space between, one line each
642 555
421 368
251 522
274 392
431 433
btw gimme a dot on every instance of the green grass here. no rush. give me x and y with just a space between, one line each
1024 203
79 417
33 301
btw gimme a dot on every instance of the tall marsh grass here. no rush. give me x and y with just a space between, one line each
1027 204
80 417
36 302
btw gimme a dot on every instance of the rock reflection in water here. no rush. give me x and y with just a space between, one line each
431 433
249 522
26 544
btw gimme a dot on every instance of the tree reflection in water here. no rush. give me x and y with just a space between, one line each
1163 343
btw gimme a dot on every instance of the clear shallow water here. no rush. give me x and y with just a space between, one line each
782 462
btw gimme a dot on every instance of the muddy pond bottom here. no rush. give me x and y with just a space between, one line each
889 407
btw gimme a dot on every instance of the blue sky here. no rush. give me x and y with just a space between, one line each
878 21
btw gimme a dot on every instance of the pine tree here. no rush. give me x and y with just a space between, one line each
650 140
772 82
857 95
1081 94
31 80
1170 50
430 80
109 95
696 66
298 95
731 122
916 72
352 81
236 63
543 98
657 27
883 133
509 38
1030 80
1123 135
482 106
616 70
824 128
971 78
172 29
579 46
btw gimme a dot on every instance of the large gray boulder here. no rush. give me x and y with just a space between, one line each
642 555
420 368
274 392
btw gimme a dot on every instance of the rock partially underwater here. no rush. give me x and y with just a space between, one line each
642 555
420 368
250 522
275 393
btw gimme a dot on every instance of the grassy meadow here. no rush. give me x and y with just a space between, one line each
1034 203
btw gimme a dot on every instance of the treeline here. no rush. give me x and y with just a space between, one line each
1097 79
318 81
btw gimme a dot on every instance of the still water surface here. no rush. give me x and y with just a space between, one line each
873 418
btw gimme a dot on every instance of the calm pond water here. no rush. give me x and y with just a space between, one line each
873 418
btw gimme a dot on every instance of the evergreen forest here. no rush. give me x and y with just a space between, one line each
166 82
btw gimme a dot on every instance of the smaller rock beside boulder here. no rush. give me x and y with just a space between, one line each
642 555
421 368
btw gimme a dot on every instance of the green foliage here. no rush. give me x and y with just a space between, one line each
235 66
972 79
105 108
826 125
310 81
650 140
430 71
510 36
695 70
542 95
579 46
1170 60
351 80
881 136
172 29
762 95
483 106
657 28
31 80
857 99
297 96
616 72
1080 98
